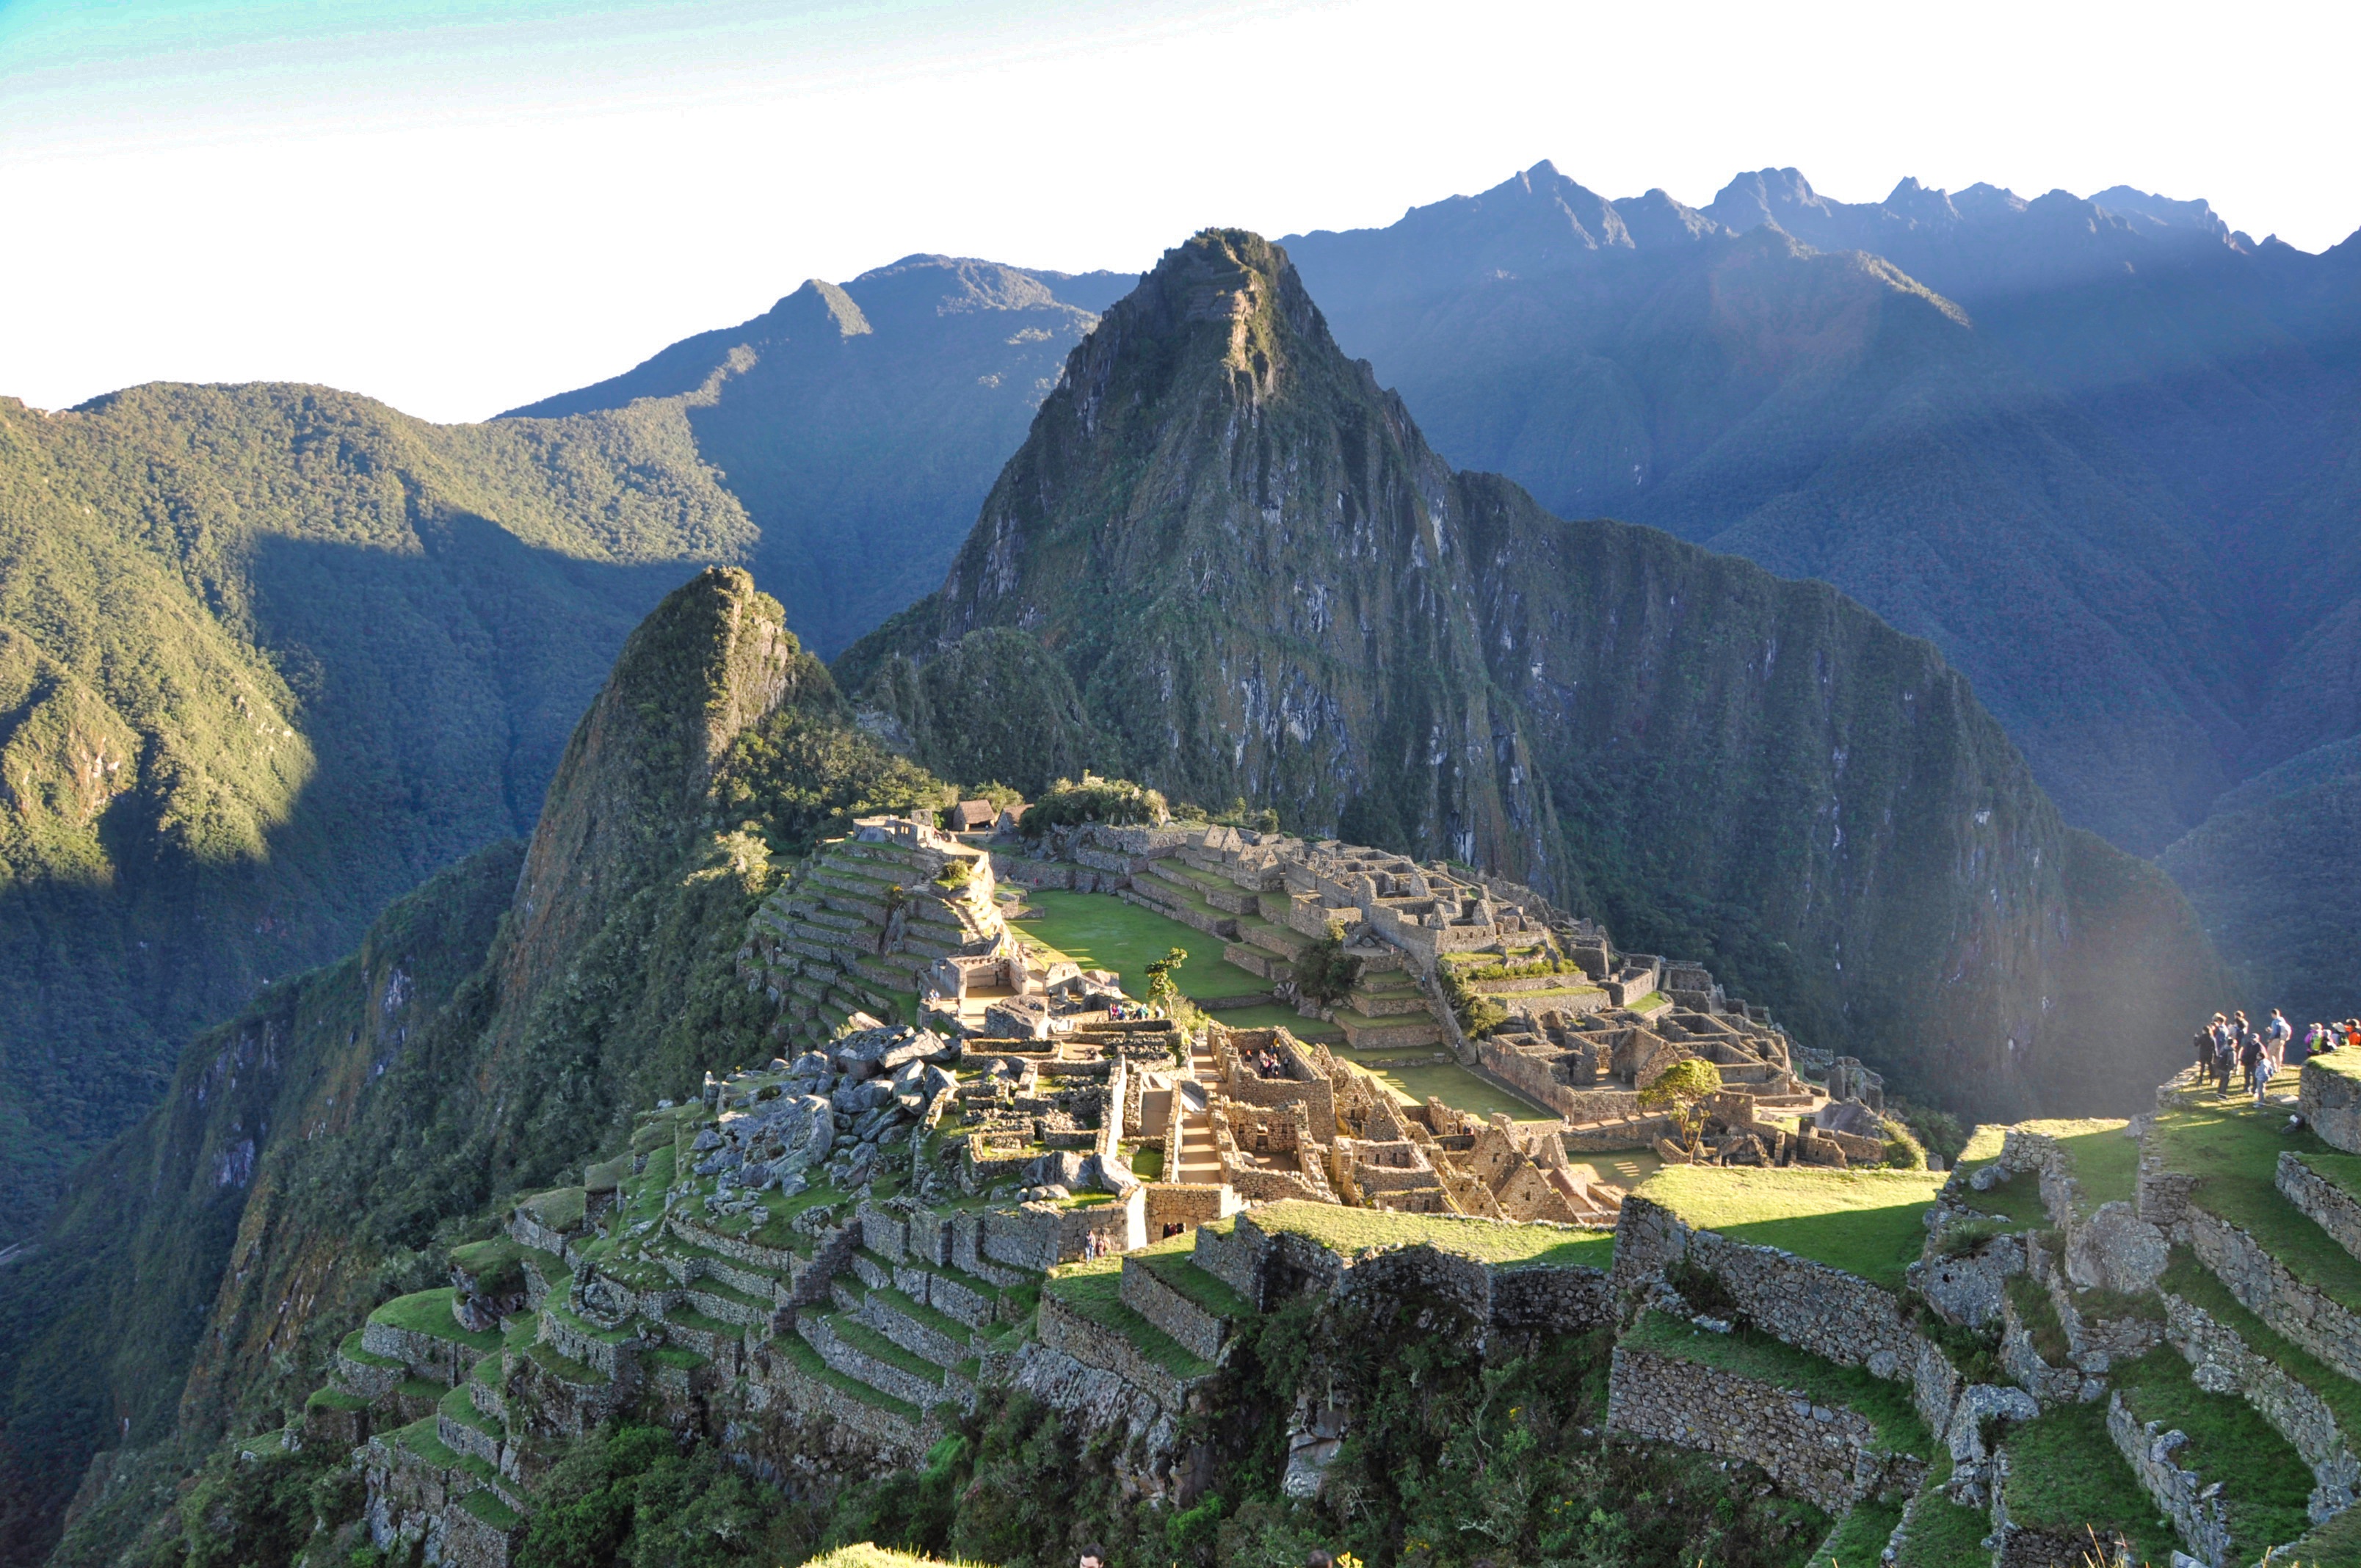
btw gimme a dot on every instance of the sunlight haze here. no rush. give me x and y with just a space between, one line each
458 208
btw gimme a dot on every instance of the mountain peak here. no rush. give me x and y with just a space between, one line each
820 304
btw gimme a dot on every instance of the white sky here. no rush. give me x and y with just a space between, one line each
459 207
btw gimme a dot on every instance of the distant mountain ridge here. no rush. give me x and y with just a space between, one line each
861 424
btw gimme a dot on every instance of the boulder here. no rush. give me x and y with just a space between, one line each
1059 1167
2117 1249
1851 1116
936 1081
855 1098
1989 1177
706 1141
1108 1175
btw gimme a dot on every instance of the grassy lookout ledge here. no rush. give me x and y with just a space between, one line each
2138 1338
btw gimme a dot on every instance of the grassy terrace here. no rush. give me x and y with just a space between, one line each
1351 1231
806 1360
1095 1292
2106 1163
429 1313
2235 1151
2196 1284
2064 1475
1176 1269
2265 1481
1864 1222
1415 1077
1750 1355
1944 1535
1861 1535
1098 930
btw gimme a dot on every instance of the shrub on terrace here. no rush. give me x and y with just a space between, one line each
1116 803
1324 973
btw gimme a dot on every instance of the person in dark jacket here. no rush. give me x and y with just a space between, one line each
2250 1054
2225 1062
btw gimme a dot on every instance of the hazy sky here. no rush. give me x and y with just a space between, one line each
459 205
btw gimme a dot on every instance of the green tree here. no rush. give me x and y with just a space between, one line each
1163 991
1678 1090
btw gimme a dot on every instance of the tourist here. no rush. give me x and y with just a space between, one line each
1316 1558
2226 1061
2280 1032
2250 1054
2273 1049
1093 1556
2204 1043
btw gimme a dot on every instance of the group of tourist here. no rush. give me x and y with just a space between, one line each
1266 1064
2230 1045
1121 1011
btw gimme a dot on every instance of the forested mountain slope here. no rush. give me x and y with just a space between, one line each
2051 435
270 656
488 1032
1227 562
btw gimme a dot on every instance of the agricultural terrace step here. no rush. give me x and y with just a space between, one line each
685 1261
801 1358
726 1304
860 1352
1389 1003
961 1297
811 911
1280 940
1083 1315
917 1328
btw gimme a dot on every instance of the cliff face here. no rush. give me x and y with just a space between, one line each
1250 566
485 1035
1257 579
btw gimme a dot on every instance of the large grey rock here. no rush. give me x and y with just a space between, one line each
1989 1177
1108 1175
936 1081
2117 1249
1060 1167
706 1141
1980 1403
1849 1116
855 1098
1969 1289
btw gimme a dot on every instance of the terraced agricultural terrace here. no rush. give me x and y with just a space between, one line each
2140 1338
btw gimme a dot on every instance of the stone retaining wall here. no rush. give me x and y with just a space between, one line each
917 1338
1836 1316
2264 1287
435 1359
862 1368
2220 1359
781 1386
2202 1518
2331 1104
1827 1455
1264 1267
1200 1332
2323 1202
1061 1328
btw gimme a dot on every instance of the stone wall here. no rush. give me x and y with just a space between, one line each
1061 1328
2323 1202
1203 1333
2202 1516
779 1386
2219 1360
2265 1287
1264 1267
1838 1316
1827 1455
1187 1204
435 1359
2330 1103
